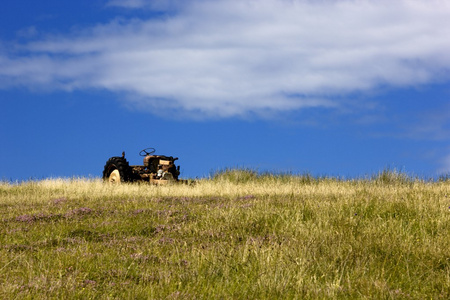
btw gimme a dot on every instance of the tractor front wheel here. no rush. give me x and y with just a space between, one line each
117 170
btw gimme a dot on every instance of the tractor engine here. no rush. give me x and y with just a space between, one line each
161 167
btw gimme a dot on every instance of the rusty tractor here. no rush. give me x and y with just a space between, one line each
157 169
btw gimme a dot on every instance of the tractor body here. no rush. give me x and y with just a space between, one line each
156 169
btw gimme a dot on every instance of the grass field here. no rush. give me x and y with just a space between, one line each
238 235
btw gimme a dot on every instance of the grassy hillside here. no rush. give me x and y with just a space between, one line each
237 235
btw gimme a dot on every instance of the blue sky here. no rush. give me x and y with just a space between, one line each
333 87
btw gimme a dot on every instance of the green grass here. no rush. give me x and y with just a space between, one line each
238 235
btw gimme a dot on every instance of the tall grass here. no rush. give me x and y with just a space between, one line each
238 235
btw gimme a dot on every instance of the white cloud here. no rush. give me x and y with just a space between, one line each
226 58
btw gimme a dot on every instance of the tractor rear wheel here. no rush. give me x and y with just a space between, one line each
117 170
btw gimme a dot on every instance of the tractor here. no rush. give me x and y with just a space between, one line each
157 169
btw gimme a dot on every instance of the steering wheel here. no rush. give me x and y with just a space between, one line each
147 151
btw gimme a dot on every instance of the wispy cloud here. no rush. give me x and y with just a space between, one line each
428 121
445 165
225 58
147 4
128 3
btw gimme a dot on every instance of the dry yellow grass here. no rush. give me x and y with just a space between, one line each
237 235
